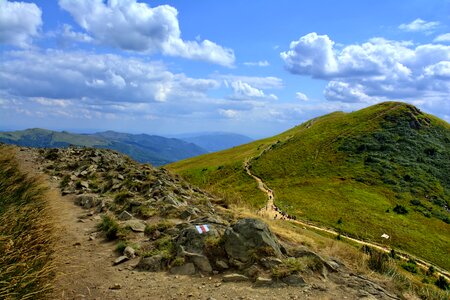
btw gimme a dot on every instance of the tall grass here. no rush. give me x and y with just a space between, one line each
26 239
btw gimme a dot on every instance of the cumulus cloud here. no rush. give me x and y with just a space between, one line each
377 70
443 38
419 25
261 63
244 91
135 26
229 113
68 34
19 23
300 96
102 78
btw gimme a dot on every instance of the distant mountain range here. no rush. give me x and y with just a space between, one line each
144 148
216 141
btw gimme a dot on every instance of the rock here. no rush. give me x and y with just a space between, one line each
221 264
86 200
116 286
120 260
234 278
270 262
202 263
303 251
294 280
248 236
120 177
152 264
191 241
186 269
84 184
125 216
262 281
135 225
129 252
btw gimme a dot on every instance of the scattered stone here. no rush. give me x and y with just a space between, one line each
270 262
124 216
186 269
129 252
152 264
262 281
294 280
116 286
222 264
84 184
120 177
234 278
120 260
135 225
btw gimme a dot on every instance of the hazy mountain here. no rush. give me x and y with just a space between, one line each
154 149
216 141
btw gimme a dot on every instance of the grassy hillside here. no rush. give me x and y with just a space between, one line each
383 169
141 147
26 239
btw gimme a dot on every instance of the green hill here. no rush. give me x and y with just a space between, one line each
143 148
383 169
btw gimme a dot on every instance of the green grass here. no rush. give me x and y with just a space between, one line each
26 233
350 166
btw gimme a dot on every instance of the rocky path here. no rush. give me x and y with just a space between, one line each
270 211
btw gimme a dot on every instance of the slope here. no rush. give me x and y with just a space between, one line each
383 169
144 148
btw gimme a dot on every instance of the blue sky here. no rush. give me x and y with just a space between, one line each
251 67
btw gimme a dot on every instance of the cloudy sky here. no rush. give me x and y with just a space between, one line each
251 67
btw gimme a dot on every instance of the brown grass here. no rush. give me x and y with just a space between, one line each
26 233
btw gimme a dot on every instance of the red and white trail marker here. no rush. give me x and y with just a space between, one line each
202 228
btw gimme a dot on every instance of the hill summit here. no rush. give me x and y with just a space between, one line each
382 169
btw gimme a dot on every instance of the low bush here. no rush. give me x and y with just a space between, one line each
109 226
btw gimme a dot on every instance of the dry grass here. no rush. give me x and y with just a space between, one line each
26 234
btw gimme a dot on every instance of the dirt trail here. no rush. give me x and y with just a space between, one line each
85 271
270 211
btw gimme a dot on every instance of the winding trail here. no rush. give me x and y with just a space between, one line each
269 211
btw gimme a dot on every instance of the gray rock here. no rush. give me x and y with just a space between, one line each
152 264
129 252
234 278
120 259
125 216
222 264
191 241
120 177
294 280
202 263
262 281
87 200
186 269
135 225
85 184
303 251
270 262
248 236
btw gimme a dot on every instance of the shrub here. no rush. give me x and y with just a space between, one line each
64 181
378 261
400 209
410 266
288 267
442 283
109 226
160 226
120 197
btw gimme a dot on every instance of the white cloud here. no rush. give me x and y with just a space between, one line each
261 63
135 26
311 54
300 96
269 82
91 77
244 91
19 23
229 113
419 25
445 38
376 70
68 34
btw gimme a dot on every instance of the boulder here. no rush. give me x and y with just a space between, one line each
87 200
263 281
247 237
191 241
120 260
152 264
294 280
186 269
135 225
129 252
